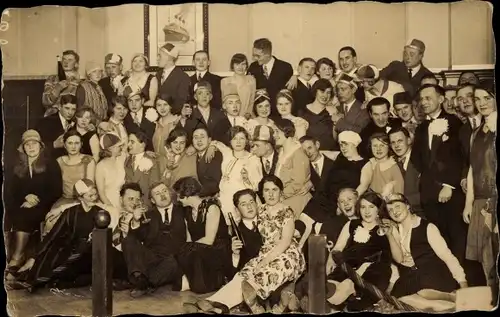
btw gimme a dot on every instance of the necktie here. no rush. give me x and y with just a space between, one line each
266 73
316 168
131 162
199 76
308 86
474 124
167 221
267 166
163 77
234 121
345 109
400 163
136 118
254 224
410 72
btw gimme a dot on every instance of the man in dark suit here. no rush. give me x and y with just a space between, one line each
439 161
467 107
201 61
401 145
203 114
53 127
411 70
153 240
209 173
139 117
402 104
352 115
348 62
302 95
263 147
173 81
270 73
113 65
378 110
319 207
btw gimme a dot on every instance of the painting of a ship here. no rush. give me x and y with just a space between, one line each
175 33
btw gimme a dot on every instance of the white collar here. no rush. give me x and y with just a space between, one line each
270 157
305 82
429 117
113 120
415 69
320 160
202 74
64 122
349 105
138 157
168 70
138 113
269 65
169 207
477 118
249 222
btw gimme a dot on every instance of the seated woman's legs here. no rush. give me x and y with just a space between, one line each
422 303
250 298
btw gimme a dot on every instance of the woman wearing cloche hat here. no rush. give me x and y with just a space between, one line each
36 185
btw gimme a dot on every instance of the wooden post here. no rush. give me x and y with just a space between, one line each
317 274
102 283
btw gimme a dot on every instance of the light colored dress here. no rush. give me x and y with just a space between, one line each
245 86
232 178
162 131
286 267
386 178
113 172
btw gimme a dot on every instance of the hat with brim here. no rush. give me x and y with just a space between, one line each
30 135
402 98
349 137
170 49
131 90
416 44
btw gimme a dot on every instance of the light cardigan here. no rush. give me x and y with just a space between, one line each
293 170
438 245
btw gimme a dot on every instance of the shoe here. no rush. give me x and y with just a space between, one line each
136 292
120 285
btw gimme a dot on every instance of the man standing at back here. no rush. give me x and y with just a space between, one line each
201 61
270 73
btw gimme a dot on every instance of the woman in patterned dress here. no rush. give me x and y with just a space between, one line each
74 166
365 250
481 200
205 258
280 260
284 104
240 169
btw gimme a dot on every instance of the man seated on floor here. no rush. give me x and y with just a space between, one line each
64 259
153 239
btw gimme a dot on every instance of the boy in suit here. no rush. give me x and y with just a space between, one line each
201 61
113 65
140 118
302 95
173 81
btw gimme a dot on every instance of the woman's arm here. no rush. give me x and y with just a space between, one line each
343 238
469 196
286 239
153 90
365 179
252 89
399 181
95 147
211 225
90 173
223 149
393 238
100 184
439 246
308 222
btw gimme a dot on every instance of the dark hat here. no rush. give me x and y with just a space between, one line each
417 44
112 58
203 84
402 98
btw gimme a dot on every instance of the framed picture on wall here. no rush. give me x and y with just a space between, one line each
184 25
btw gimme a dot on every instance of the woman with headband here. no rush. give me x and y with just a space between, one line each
284 105
481 198
428 271
138 78
261 110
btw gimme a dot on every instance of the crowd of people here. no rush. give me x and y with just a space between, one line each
215 184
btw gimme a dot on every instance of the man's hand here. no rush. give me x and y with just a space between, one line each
236 245
466 213
190 150
292 83
59 143
463 184
210 153
32 199
445 194
186 111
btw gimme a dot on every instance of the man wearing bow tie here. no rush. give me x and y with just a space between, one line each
173 81
53 127
201 61
438 160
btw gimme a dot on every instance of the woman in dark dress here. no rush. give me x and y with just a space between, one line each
428 271
90 141
139 79
366 250
205 258
319 117
36 185
481 200
346 169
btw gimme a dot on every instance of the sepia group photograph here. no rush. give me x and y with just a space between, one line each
249 158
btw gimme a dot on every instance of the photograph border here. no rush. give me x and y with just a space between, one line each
186 68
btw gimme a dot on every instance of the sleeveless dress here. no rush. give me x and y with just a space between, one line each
480 237
429 271
286 267
145 89
320 128
365 246
205 266
86 149
383 174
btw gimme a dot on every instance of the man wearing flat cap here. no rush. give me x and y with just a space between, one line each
173 81
113 65
411 70
90 94
374 86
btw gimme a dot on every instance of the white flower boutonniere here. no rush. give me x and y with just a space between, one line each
361 235
145 164
439 127
151 115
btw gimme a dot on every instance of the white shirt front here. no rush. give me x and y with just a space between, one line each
137 159
201 74
137 116
268 159
269 66
407 160
414 70
167 72
348 106
318 164
306 83
65 124
205 113
475 121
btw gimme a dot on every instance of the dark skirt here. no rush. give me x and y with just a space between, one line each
28 219
412 280
205 266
